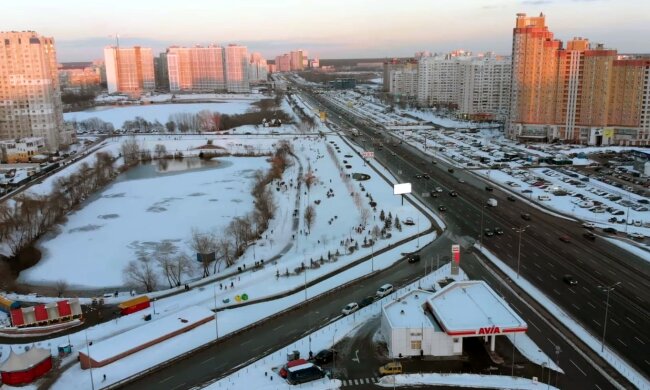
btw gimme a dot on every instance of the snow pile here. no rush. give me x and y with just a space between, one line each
527 347
640 252
463 380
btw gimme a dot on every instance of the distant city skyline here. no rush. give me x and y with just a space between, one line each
332 29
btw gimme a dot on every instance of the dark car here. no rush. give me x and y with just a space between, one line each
434 162
488 232
433 194
489 188
453 193
325 356
426 176
498 230
610 230
442 208
450 170
304 374
570 280
414 258
589 236
367 301
511 198
525 216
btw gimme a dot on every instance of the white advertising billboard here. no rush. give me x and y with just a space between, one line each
402 188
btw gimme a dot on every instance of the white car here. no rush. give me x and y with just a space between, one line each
350 308
384 290
588 225
636 235
438 189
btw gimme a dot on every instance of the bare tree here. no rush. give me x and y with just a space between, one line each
160 151
310 217
203 243
130 151
141 272
364 216
61 286
375 233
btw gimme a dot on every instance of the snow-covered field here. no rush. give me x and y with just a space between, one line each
475 381
97 242
117 115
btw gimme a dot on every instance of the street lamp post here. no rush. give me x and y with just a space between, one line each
481 230
216 325
519 230
606 289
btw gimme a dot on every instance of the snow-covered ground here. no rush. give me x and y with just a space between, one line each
475 381
117 115
594 343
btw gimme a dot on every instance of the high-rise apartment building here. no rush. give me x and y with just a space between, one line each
257 68
298 60
403 83
283 63
476 86
237 69
30 99
196 68
129 70
161 72
581 94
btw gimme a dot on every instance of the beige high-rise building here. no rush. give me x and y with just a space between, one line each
237 69
129 70
196 68
258 68
30 98
581 94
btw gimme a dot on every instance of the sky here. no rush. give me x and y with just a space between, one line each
327 29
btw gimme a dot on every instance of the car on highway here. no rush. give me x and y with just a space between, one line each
384 290
589 236
489 188
511 198
393 154
610 230
565 238
350 308
434 162
636 235
414 258
392 368
438 189
418 176
453 194
488 232
589 225
570 280
433 194
426 176
442 207
525 216
461 181
498 230
450 170
325 356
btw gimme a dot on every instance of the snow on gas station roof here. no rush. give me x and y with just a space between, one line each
468 308
407 311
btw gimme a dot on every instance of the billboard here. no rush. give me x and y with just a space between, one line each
402 188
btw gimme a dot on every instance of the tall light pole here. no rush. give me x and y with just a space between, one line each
606 289
481 230
519 230
216 325
90 363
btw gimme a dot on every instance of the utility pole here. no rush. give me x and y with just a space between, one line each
606 289
519 231
216 325
90 364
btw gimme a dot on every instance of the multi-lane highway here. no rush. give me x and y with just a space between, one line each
545 260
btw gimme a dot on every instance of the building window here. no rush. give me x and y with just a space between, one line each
416 344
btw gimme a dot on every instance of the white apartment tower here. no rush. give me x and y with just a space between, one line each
30 98
258 69
129 70
237 69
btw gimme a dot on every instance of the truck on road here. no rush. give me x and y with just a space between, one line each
492 202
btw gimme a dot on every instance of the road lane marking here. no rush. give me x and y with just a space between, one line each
166 379
611 272
515 307
639 340
597 272
207 360
576 306
278 327
591 304
579 261
598 387
554 278
524 266
631 284
585 288
580 369
631 320
539 278
614 321
179 386
557 292
621 341
571 290
533 324
597 323
537 265
247 342
535 254
550 265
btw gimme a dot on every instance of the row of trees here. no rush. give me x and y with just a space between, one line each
28 216
226 245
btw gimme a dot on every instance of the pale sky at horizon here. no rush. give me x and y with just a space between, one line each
328 29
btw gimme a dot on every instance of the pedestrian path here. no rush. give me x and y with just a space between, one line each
358 382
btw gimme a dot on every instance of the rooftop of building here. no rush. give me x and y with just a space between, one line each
467 307
408 311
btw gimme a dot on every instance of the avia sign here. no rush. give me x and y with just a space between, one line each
490 330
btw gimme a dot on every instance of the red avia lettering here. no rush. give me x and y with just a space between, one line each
489 330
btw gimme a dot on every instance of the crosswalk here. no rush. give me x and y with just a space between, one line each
358 382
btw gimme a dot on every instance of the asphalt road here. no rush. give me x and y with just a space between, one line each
544 258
